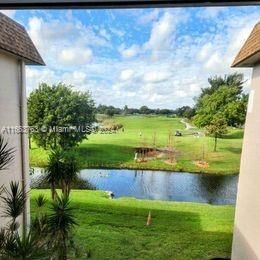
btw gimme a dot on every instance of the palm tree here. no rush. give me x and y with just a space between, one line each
60 223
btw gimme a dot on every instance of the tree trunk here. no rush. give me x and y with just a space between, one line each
215 145
55 141
53 191
30 142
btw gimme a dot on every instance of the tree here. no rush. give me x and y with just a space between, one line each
216 128
145 110
61 116
125 110
110 112
189 112
225 100
232 80
185 111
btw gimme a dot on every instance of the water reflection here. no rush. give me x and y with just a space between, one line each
38 181
162 185
165 185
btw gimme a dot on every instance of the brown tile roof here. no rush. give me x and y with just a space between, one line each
14 39
249 54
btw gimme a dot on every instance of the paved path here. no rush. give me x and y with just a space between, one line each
188 126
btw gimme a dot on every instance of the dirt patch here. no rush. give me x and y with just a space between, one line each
169 162
201 164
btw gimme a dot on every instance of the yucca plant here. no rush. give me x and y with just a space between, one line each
62 171
23 247
6 154
48 232
28 245
54 170
70 170
14 200
61 223
39 222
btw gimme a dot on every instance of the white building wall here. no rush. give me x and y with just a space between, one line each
10 90
246 241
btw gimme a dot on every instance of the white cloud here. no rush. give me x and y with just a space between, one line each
117 32
103 32
126 74
35 76
167 68
148 17
75 56
205 51
130 52
156 76
54 39
214 61
211 12
162 34
181 93
35 30
75 78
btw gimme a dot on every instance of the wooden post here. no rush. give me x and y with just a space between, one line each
149 219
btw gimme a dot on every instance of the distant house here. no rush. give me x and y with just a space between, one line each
246 241
16 51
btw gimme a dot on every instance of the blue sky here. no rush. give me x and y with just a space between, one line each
155 57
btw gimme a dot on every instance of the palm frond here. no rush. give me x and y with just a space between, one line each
41 201
14 199
24 247
62 219
6 154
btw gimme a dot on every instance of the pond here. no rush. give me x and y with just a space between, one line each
161 185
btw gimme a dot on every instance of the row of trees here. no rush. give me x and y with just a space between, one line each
185 111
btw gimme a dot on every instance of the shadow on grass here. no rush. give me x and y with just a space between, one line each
234 150
99 154
234 135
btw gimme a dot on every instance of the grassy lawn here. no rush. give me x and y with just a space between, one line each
115 229
117 150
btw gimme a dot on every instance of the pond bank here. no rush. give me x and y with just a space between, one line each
146 168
